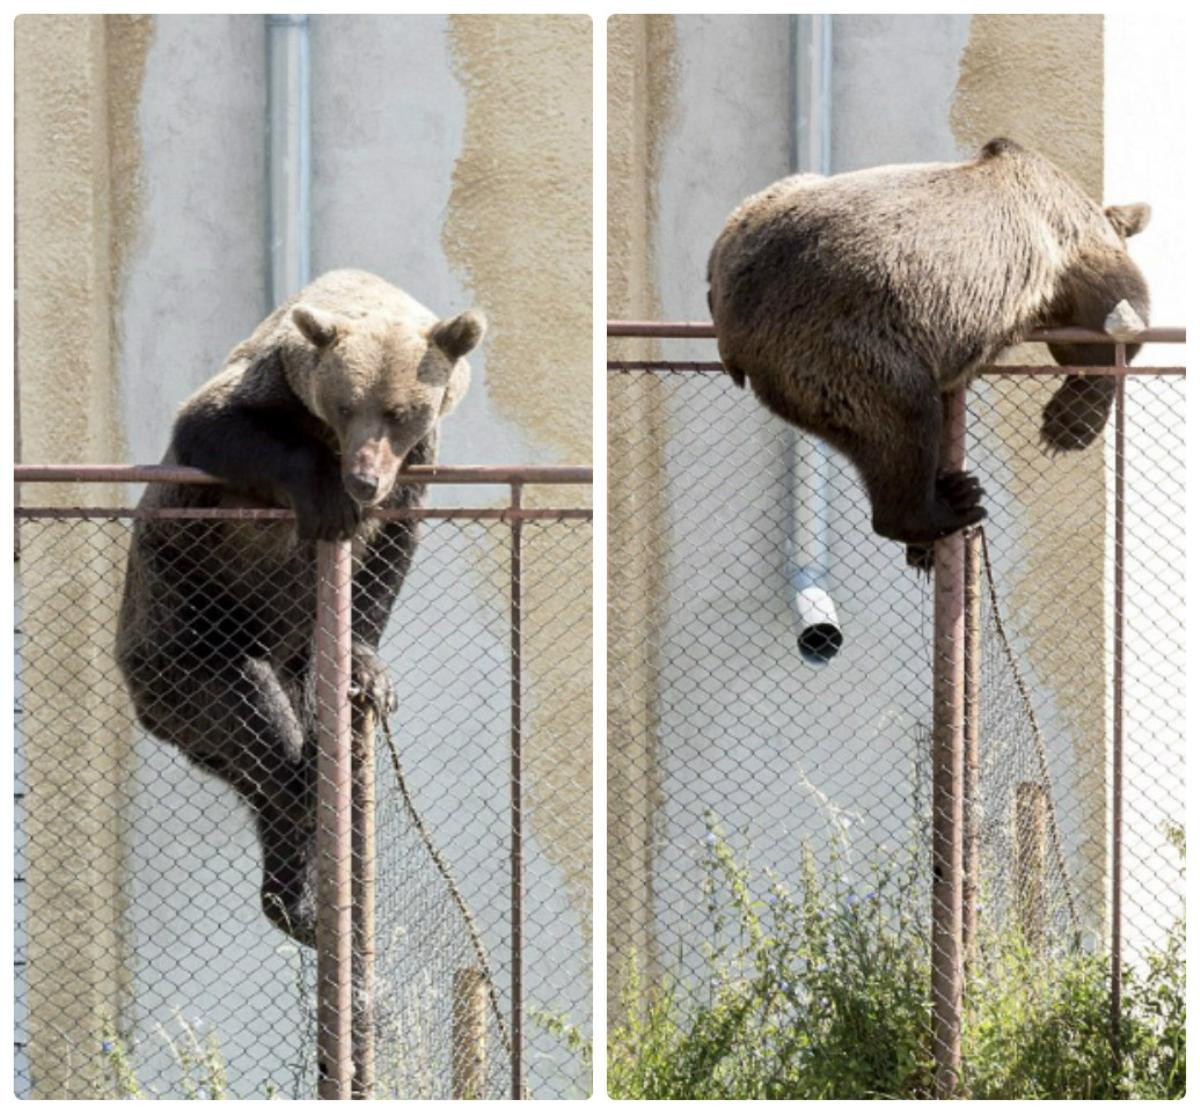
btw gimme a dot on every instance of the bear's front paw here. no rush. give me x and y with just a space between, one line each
1077 413
919 557
370 683
329 515
1067 430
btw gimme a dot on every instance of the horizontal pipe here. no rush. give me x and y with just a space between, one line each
666 365
709 366
1073 369
1159 334
1163 334
666 329
499 514
174 474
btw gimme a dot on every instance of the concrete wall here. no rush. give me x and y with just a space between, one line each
76 158
780 756
1144 161
640 58
436 142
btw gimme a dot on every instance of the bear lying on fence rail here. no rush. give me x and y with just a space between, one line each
315 412
852 303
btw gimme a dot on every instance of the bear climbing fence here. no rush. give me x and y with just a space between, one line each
452 955
832 777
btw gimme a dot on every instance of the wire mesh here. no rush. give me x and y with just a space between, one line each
719 732
145 964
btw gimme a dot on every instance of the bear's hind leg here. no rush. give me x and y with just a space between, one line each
287 833
898 460
236 720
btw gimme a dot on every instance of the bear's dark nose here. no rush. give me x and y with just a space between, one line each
362 486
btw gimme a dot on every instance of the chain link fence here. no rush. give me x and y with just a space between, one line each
769 753
145 965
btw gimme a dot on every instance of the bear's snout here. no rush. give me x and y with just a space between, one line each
363 487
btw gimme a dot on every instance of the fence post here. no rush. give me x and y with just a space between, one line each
1031 819
1118 699
516 806
947 761
363 893
972 544
335 1064
468 1036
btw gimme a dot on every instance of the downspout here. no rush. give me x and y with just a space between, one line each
818 633
289 163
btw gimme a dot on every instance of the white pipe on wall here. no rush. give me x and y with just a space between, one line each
289 164
818 632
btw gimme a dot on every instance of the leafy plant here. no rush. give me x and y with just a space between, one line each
826 995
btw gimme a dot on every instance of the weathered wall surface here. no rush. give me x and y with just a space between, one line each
905 88
641 78
199 268
1040 80
77 81
531 262
451 156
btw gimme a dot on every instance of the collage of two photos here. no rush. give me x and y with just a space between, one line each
878 651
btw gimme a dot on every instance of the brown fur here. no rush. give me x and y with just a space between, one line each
315 412
852 303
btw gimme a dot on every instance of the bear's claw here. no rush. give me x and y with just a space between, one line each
370 682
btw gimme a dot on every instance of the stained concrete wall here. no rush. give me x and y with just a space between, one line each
1040 81
905 88
76 159
640 59
436 144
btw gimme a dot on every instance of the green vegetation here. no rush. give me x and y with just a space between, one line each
824 995
200 1064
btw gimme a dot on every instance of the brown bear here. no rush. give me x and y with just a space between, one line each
852 303
315 412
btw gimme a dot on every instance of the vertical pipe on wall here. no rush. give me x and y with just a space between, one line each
289 162
818 633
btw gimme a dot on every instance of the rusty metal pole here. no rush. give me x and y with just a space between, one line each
1118 702
335 1063
948 662
516 805
363 892
972 543
1031 822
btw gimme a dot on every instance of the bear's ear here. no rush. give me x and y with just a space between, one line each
456 336
317 326
1128 220
456 387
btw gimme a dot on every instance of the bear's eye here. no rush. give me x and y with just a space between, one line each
344 411
394 415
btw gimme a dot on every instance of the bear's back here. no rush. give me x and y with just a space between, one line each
939 254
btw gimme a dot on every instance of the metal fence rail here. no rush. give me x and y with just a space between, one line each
423 981
987 716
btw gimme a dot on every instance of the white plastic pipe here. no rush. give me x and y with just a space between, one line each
289 163
818 632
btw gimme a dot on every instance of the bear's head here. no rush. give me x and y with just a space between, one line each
379 385
1103 276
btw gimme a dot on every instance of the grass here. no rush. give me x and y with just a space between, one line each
825 995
